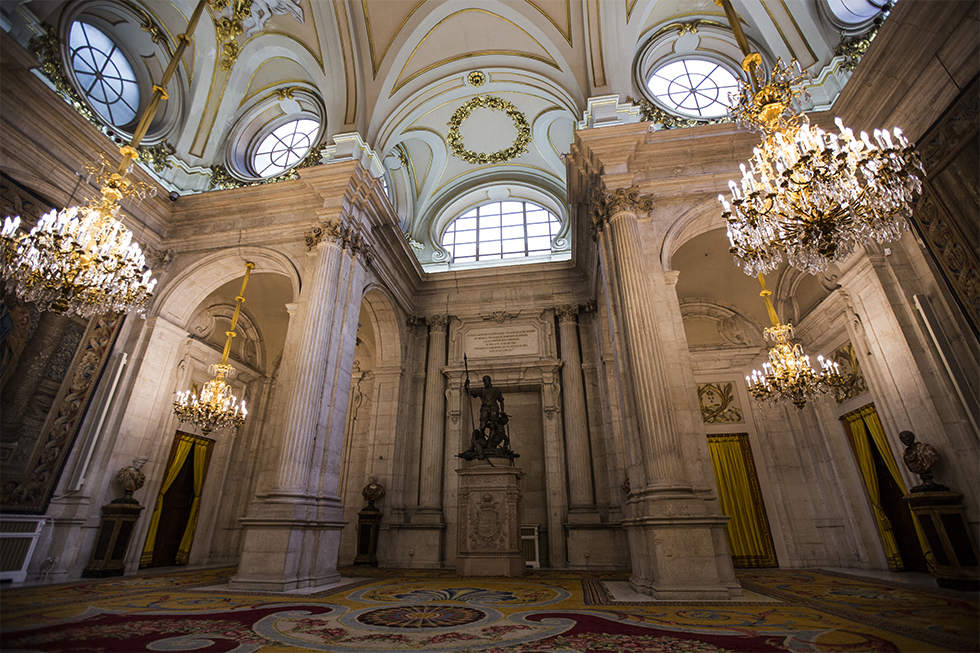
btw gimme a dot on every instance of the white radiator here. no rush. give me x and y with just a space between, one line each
18 537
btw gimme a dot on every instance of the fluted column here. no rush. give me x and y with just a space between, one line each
433 419
303 408
577 452
615 218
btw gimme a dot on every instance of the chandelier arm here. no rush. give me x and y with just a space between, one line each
159 92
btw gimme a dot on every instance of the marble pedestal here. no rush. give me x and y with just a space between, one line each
489 521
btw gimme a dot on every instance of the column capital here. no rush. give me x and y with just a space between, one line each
605 204
437 323
336 231
566 313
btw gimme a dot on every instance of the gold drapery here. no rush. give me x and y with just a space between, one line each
184 447
864 423
200 463
749 537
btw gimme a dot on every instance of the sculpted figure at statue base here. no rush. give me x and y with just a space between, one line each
492 438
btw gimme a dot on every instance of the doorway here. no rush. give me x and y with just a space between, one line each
904 547
174 518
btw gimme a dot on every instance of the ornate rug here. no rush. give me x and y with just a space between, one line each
386 610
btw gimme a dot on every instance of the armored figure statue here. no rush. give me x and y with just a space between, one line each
492 438
919 458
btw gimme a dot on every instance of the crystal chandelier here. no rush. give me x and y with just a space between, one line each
83 260
810 194
216 407
788 374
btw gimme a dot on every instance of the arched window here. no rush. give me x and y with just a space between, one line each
104 74
501 230
284 147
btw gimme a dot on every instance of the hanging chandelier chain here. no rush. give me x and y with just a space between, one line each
215 406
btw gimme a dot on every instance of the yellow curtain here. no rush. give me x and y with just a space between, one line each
873 424
183 448
862 448
738 490
200 458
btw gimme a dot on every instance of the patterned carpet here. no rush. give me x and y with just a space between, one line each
388 610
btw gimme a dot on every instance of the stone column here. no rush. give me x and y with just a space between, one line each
581 504
292 534
433 421
662 463
678 548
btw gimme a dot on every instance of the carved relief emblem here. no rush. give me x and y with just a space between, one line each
487 527
719 403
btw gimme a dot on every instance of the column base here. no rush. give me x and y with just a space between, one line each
291 543
683 556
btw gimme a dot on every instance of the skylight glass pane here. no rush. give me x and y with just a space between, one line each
284 147
514 239
104 73
693 87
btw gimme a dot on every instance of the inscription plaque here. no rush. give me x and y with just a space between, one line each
493 342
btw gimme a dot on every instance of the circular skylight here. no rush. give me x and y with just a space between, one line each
693 87
104 74
284 147
854 12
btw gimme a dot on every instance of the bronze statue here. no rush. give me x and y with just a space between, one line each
492 399
373 491
920 457
492 438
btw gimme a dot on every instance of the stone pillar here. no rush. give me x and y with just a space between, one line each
292 534
433 421
677 539
581 504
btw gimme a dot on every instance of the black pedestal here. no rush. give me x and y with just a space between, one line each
115 530
941 517
368 524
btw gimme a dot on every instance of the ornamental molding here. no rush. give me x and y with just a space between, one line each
719 403
519 147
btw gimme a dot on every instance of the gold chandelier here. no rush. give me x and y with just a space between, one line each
810 194
216 407
83 260
788 374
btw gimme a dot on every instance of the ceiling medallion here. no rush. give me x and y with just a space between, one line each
486 101
476 78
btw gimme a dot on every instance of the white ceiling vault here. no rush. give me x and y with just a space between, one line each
507 82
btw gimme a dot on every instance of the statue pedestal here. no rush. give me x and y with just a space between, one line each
941 517
368 523
115 530
489 521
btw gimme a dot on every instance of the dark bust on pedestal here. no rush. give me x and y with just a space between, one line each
368 524
939 513
116 528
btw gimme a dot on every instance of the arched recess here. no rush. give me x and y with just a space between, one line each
180 297
701 218
375 415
